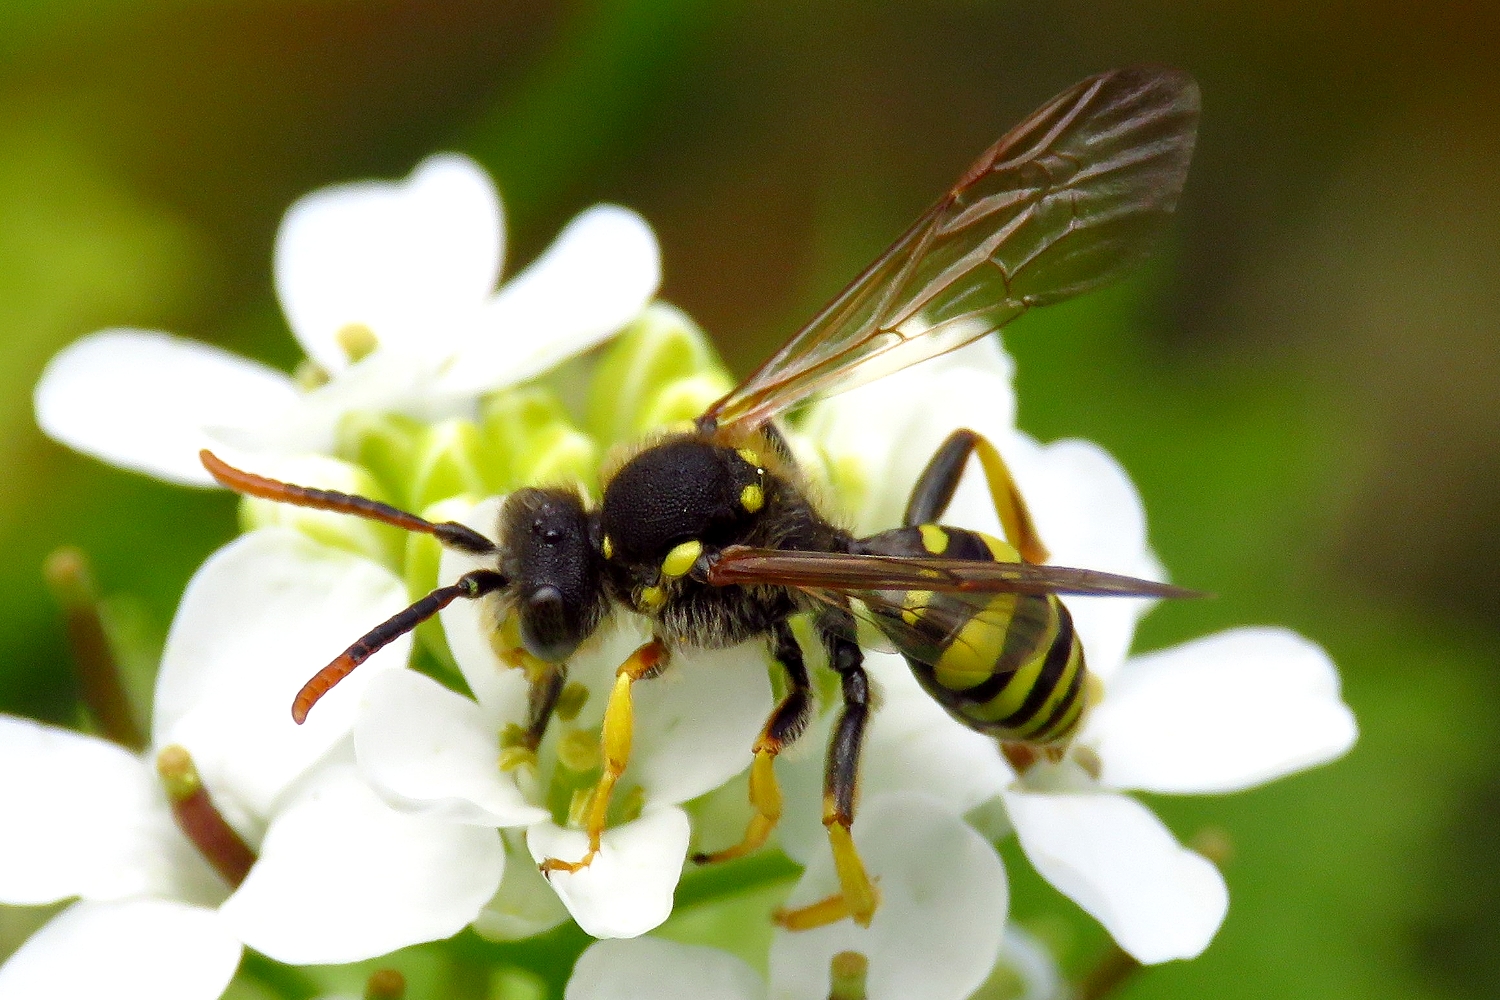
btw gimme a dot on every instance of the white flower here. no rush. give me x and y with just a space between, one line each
934 936
400 276
435 753
1215 715
339 877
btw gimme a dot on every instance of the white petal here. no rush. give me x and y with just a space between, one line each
1113 857
628 889
653 969
524 904
594 278
409 260
258 619
1088 514
343 877
696 723
138 949
431 751
879 436
1222 713
148 401
86 818
912 745
941 917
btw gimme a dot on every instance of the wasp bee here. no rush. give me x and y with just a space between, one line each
711 534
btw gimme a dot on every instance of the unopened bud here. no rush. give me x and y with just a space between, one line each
385 984
198 818
384 443
448 463
847 972
100 683
1215 844
662 345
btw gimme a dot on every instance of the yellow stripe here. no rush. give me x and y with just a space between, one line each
971 657
1000 551
911 608
1010 700
1057 694
934 539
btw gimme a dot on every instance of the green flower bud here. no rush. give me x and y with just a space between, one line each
423 556
448 464
661 346
560 456
384 443
371 539
681 400
530 440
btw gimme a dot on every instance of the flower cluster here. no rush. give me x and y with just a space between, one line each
406 809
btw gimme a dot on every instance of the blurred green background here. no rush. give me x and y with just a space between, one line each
1304 384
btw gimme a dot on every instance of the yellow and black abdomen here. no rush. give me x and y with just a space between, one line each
1005 664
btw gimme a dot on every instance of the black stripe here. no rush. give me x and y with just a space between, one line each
965 544
1075 687
1052 668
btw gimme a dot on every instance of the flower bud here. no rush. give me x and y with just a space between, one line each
682 400
380 542
529 439
384 443
660 347
448 464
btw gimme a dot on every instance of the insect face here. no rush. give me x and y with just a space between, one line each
549 557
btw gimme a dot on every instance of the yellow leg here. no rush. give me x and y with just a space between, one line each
857 897
1020 530
935 487
619 724
765 797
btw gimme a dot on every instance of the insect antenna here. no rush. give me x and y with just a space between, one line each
450 533
471 585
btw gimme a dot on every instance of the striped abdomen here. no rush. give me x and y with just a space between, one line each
1008 665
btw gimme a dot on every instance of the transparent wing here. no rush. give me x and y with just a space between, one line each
855 573
1068 200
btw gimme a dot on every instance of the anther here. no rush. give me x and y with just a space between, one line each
571 701
578 750
310 375
198 818
357 340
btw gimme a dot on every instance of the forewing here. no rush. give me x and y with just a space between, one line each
852 573
1068 200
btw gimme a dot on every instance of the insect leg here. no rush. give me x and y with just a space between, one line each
450 533
857 897
619 720
786 723
934 491
471 585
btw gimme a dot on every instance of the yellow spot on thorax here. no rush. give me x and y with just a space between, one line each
934 539
752 498
652 598
749 455
609 548
681 558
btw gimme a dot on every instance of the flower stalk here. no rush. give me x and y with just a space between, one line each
101 687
